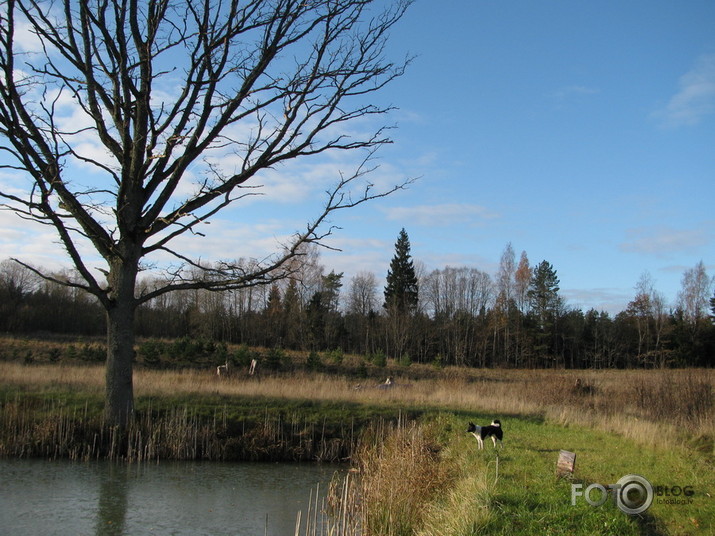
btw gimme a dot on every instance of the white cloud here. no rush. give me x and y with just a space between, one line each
30 242
695 98
350 263
611 300
440 215
662 241
25 37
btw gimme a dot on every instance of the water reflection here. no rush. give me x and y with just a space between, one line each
112 502
105 499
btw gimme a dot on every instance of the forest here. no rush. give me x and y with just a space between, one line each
452 316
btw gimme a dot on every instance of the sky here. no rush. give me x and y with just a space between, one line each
582 133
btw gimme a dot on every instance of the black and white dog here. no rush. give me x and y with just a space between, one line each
482 432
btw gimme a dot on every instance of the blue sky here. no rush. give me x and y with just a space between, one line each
580 132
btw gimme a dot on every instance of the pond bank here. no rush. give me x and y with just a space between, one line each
68 425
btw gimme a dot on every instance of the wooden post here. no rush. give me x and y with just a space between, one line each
566 463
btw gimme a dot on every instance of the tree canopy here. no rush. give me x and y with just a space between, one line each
131 124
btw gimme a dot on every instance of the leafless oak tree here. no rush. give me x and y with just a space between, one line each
158 89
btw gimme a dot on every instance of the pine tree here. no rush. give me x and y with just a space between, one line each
332 283
545 305
544 293
402 290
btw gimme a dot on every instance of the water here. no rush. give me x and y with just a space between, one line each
170 498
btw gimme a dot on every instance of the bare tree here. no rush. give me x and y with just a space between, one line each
159 91
362 297
506 284
693 296
641 308
522 278
16 283
457 290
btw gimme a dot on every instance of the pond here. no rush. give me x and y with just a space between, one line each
176 498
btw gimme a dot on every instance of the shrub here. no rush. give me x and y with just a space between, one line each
275 359
93 352
405 360
314 363
379 359
180 347
336 356
438 361
54 354
220 351
242 357
151 352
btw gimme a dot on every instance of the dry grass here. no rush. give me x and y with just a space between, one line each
651 406
399 466
396 471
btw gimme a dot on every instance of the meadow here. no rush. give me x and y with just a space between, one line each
414 469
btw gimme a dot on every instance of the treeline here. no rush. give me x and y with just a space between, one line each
452 316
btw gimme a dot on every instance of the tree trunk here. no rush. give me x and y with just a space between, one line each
119 400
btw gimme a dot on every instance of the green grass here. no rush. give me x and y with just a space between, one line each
527 497
468 498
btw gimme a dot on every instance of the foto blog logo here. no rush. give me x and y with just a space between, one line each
633 494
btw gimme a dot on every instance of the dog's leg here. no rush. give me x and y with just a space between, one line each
479 441
494 441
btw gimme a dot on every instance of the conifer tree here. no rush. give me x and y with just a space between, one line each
402 290
543 293
545 305
332 283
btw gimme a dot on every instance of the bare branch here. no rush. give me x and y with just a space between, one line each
232 276
140 92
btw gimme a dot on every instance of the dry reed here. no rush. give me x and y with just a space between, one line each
396 471
649 401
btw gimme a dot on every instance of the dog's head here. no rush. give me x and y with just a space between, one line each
496 422
471 428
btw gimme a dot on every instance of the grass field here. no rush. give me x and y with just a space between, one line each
427 476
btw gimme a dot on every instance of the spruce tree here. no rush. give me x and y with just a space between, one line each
402 290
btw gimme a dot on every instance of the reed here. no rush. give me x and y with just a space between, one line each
52 428
653 407
338 513
647 403
396 471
